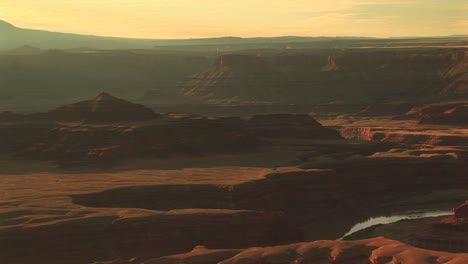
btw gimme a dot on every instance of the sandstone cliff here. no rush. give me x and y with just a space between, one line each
355 75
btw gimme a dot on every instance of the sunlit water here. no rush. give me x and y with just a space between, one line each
394 218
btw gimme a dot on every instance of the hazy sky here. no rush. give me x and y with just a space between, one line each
247 18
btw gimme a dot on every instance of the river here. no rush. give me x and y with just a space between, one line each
393 218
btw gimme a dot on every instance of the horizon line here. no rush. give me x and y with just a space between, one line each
241 37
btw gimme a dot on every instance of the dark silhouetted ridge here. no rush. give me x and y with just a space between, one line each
6 25
26 49
104 108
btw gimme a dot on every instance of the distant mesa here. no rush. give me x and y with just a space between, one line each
234 77
309 77
102 109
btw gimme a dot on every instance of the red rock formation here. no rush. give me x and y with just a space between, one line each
457 115
361 133
199 255
461 212
376 251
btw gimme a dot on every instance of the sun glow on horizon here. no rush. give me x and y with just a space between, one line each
261 18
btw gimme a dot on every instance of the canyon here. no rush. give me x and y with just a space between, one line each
236 154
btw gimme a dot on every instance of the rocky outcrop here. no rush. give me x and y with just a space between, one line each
409 136
234 78
450 113
445 113
361 133
417 112
452 228
461 212
456 116
199 255
375 251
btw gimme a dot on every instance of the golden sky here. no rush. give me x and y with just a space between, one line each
245 18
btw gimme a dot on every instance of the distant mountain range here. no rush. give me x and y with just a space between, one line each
12 37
